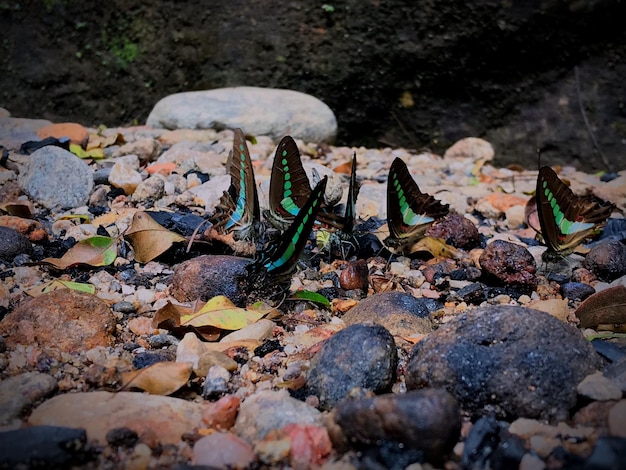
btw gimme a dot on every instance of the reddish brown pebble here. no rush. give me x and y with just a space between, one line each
354 276
509 263
435 271
457 231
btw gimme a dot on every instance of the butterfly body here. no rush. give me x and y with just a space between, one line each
238 210
409 211
565 218
283 256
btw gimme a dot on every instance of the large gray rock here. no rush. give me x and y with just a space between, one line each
511 361
258 111
56 178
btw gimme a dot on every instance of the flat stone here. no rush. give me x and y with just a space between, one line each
258 111
19 392
56 178
223 450
77 133
268 410
15 131
65 319
597 387
155 419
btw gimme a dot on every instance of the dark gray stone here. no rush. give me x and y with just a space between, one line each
576 290
43 447
357 357
13 243
607 260
20 392
510 361
426 420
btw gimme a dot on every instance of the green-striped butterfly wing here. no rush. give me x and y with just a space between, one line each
289 185
282 258
409 211
238 209
566 219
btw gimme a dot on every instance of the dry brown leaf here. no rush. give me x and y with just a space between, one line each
607 307
24 209
162 378
94 251
436 247
169 317
149 239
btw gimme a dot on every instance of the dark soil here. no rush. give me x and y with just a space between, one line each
394 72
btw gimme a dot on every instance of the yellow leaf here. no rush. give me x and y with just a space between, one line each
220 312
162 378
149 239
436 247
57 284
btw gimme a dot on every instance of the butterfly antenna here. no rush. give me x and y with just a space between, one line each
538 158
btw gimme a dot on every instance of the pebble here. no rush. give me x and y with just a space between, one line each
20 392
457 231
607 260
223 450
576 290
514 362
266 111
489 444
216 382
422 424
156 419
597 387
207 276
147 150
359 356
508 263
56 178
32 229
13 243
401 314
472 148
150 189
64 319
78 134
125 177
355 276
268 410
44 447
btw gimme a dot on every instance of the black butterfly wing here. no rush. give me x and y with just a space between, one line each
289 184
238 209
282 257
353 192
409 211
565 218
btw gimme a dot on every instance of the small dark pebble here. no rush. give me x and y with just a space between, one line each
558 278
576 290
473 293
44 447
508 263
214 388
490 445
22 259
124 307
203 177
329 292
359 356
122 437
607 260
13 243
457 231
130 346
267 347
162 341
610 176
427 421
127 275
101 175
331 276
3 344
608 453
145 359
615 229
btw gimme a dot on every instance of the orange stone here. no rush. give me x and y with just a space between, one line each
77 133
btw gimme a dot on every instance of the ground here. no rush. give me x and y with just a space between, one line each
521 76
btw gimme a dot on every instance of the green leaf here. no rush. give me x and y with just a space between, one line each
312 297
94 251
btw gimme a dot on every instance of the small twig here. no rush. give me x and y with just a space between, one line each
582 111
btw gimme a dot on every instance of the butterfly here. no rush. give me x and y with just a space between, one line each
238 210
409 211
566 219
289 185
282 257
290 189
342 231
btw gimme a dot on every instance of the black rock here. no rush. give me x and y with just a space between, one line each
607 260
509 361
490 445
576 290
359 356
473 293
13 243
44 447
267 347
145 359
